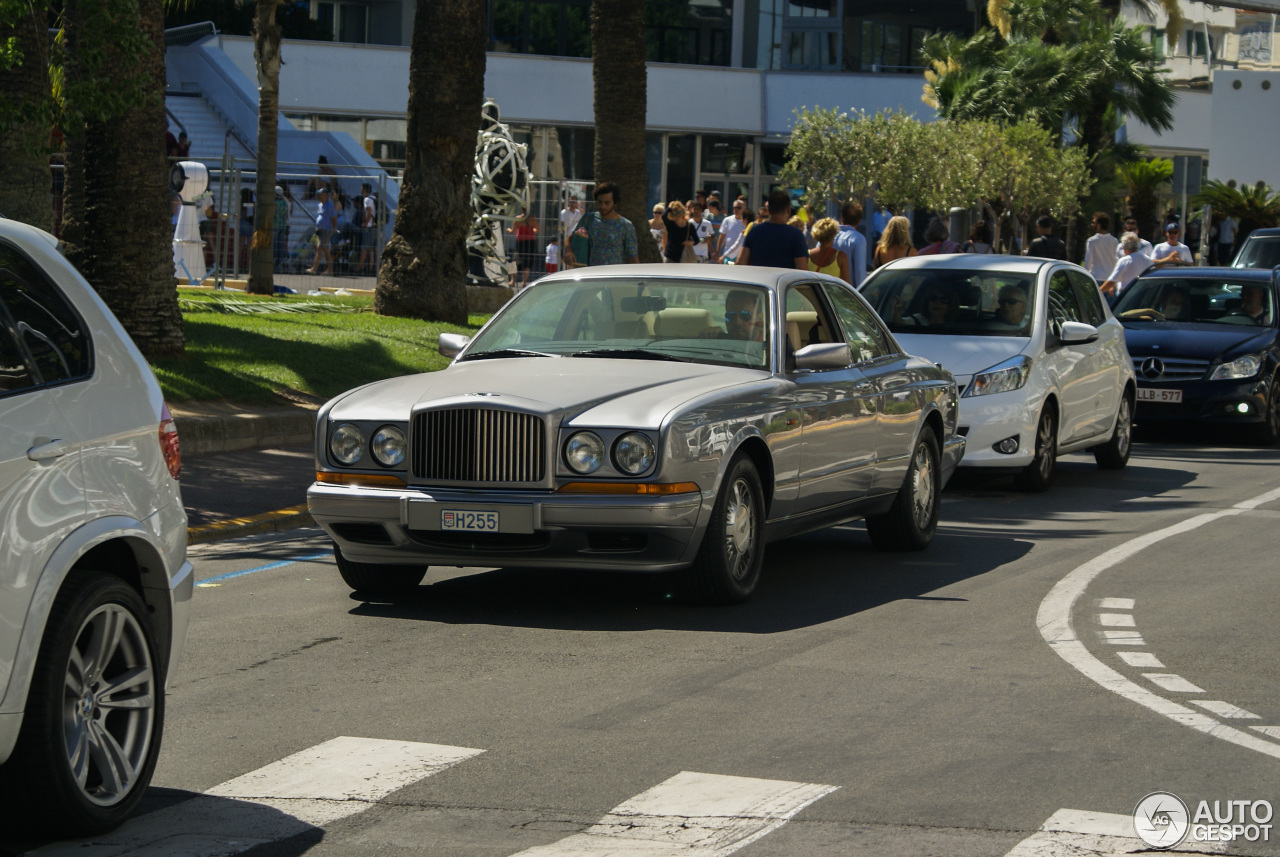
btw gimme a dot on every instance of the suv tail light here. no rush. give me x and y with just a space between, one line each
169 442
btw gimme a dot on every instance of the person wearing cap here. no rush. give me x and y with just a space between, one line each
280 229
326 225
1171 251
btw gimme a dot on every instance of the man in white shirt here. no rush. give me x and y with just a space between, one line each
1127 269
1131 225
705 231
1171 251
731 233
1100 250
570 216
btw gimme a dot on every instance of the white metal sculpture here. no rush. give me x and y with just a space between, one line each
499 193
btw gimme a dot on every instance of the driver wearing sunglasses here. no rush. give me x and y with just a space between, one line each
743 318
1012 309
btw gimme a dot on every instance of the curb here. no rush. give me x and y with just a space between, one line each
201 435
268 522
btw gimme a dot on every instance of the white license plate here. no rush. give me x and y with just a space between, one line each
1151 394
471 522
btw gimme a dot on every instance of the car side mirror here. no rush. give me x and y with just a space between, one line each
1077 333
824 355
451 344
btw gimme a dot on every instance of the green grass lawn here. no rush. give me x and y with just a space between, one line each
264 357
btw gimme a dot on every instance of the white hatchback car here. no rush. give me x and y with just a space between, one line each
1040 359
95 586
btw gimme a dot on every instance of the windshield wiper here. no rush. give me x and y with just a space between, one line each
507 352
628 354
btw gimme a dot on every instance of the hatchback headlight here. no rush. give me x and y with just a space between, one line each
1241 367
346 444
633 453
1012 374
584 452
388 446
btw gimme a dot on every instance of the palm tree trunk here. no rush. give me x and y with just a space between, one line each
424 266
266 55
621 96
24 143
120 235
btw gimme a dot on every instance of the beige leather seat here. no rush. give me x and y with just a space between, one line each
682 323
803 324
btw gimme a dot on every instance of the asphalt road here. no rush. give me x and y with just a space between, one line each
917 697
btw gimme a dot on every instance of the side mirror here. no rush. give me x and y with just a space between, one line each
1077 333
451 344
824 355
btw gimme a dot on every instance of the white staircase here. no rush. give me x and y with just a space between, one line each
206 127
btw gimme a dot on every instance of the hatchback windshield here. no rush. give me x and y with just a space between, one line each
1259 251
1202 301
687 320
966 303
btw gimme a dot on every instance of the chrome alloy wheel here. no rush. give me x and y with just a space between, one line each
923 488
1124 426
109 699
1044 447
739 530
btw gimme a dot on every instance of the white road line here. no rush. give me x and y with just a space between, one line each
311 788
1123 638
1273 731
1116 620
1116 603
1140 659
1225 709
1054 621
690 815
1073 832
1172 682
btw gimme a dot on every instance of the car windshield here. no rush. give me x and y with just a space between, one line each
964 303
1195 300
627 318
1259 251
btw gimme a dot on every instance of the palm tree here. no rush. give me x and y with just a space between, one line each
24 137
266 55
1252 207
619 77
424 266
1144 179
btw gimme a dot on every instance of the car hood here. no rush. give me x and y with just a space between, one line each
963 355
1197 341
581 390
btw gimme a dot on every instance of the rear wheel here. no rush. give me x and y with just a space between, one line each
912 520
1114 454
1037 476
379 581
1269 432
729 561
95 711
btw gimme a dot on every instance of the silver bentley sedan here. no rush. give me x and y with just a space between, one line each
644 418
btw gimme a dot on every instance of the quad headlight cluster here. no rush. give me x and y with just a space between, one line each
633 453
348 444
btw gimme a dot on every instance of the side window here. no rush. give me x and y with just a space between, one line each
1089 296
13 367
806 323
45 324
866 337
1063 305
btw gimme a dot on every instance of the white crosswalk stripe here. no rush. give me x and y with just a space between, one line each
1073 832
690 815
311 788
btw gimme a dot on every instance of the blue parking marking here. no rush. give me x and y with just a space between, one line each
281 564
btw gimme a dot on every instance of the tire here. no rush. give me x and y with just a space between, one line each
379 581
731 556
1038 475
1114 454
1269 431
912 520
95 712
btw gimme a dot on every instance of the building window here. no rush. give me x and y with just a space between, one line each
558 28
694 32
877 38
1157 43
1200 44
349 22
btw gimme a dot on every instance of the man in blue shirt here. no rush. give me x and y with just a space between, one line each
852 242
773 243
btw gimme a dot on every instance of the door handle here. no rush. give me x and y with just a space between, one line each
47 450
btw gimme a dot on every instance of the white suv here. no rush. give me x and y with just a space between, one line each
95 587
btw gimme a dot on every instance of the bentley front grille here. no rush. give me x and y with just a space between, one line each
479 445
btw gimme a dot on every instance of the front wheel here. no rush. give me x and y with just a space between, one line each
1037 475
729 561
95 711
1114 454
379 581
912 520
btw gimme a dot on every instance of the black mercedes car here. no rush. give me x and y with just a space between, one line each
1204 346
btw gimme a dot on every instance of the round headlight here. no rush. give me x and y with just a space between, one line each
584 452
633 453
388 446
346 444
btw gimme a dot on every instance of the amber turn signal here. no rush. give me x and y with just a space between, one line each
361 480
630 488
